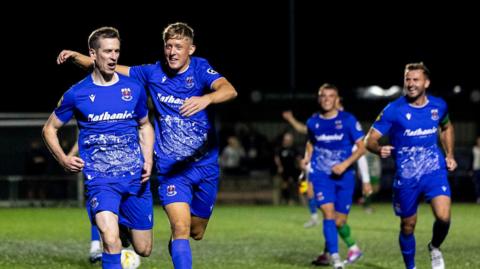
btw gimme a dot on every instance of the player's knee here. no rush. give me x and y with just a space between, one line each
408 227
144 250
197 235
340 222
111 242
180 229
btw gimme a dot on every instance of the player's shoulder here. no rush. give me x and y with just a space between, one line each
436 101
82 84
396 104
314 117
129 81
195 60
345 115
150 67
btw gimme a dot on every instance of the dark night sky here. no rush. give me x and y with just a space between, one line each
248 42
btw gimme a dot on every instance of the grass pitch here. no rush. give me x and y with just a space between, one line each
238 237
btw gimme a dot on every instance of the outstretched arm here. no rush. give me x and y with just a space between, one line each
86 62
70 163
447 138
222 92
296 124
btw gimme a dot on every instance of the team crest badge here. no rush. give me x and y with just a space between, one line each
338 124
189 82
320 196
94 203
434 113
171 190
127 94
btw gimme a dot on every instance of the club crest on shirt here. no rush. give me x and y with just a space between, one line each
127 94
338 124
320 196
94 203
171 190
189 82
434 113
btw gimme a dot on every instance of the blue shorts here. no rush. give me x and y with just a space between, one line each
130 201
196 186
331 190
405 200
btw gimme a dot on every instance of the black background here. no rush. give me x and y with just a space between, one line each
350 45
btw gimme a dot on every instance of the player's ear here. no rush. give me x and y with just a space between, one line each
427 83
92 53
191 50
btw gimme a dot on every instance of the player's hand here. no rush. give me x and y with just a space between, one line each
338 169
304 164
194 104
146 171
287 115
386 151
451 163
64 55
367 189
73 164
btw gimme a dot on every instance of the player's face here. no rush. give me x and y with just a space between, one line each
177 53
327 98
106 56
415 84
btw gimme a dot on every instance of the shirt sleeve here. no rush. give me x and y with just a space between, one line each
355 129
444 116
141 73
66 106
141 109
383 123
207 74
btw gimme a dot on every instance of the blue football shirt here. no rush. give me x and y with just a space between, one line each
107 117
332 140
180 141
413 132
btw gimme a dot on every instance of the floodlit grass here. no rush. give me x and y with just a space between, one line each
238 237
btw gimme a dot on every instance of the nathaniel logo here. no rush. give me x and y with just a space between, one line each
189 82
434 113
408 116
444 188
171 190
126 94
420 132
164 79
320 196
92 97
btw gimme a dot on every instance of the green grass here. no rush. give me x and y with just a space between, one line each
238 237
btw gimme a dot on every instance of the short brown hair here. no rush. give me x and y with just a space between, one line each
177 30
102 32
418 66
